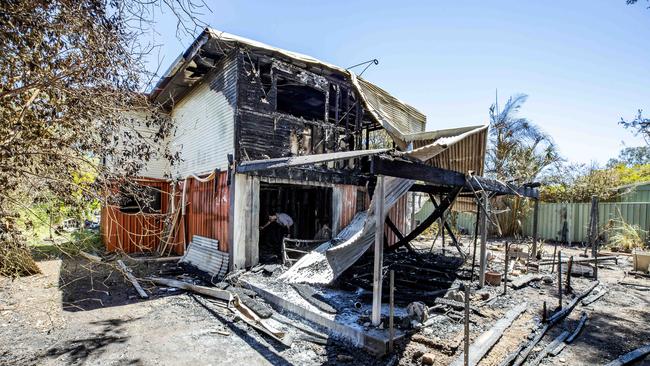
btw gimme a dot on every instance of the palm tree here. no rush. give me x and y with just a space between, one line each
518 151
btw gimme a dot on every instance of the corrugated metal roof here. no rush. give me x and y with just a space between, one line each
397 117
458 149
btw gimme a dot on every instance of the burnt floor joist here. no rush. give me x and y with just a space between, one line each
408 169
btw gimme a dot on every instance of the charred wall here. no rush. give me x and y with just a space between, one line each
285 110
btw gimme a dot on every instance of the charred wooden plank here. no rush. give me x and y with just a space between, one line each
294 161
631 356
487 340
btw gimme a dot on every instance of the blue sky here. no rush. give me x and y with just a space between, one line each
584 64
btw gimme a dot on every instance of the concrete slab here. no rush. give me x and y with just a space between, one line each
374 340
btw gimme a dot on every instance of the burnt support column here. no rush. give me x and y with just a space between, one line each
483 253
379 251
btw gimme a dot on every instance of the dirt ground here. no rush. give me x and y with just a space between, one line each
82 313
617 323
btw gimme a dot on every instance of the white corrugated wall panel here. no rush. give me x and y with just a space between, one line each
205 125
157 165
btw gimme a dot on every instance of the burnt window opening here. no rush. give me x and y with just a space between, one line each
145 200
299 100
343 108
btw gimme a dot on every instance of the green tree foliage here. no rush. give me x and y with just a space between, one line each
519 150
578 183
71 82
639 125
631 156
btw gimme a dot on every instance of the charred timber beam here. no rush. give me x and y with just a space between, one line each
423 188
394 228
446 202
408 169
328 176
446 226
294 161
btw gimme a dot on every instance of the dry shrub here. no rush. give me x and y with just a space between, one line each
16 259
623 236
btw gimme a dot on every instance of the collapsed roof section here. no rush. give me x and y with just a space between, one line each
458 149
396 117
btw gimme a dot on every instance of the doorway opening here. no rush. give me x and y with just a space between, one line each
309 209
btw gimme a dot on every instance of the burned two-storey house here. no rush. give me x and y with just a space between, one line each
263 131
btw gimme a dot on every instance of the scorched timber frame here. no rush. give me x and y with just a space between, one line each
450 184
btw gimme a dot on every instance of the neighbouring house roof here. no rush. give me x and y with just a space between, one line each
396 117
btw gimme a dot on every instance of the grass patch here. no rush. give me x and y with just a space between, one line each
69 245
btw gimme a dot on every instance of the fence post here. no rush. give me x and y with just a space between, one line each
593 232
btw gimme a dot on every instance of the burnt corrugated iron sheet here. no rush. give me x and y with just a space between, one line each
207 212
132 233
461 156
348 204
466 154
399 213
203 254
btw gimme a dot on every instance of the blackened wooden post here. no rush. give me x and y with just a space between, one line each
544 316
505 271
483 259
476 226
569 268
442 229
391 314
535 221
593 225
466 325
379 251
559 277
